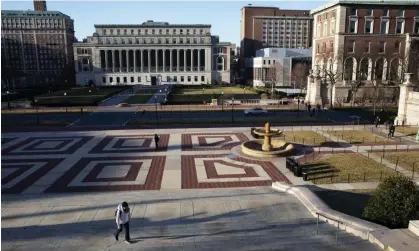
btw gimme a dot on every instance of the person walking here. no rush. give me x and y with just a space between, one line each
391 131
123 216
377 120
156 140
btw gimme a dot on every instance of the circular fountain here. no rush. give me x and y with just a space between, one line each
267 147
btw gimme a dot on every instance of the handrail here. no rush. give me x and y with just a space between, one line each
330 218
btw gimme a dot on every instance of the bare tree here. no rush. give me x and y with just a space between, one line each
361 74
299 74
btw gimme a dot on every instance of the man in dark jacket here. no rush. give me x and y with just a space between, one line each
123 216
156 140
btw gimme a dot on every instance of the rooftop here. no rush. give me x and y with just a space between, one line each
32 13
151 23
260 7
365 2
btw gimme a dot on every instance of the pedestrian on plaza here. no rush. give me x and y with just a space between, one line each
123 216
309 107
156 140
391 131
377 120
318 108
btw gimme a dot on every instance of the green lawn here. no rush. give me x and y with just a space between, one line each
138 99
200 94
85 96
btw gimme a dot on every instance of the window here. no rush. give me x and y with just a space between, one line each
195 78
181 31
325 30
175 78
386 13
139 79
111 31
397 46
152 31
325 16
182 79
416 26
351 46
382 46
401 13
110 79
317 30
189 78
367 46
353 11
132 32
318 48
399 27
352 26
174 31
332 26
369 12
368 26
384 26
125 79
132 79
104 80
202 78
331 47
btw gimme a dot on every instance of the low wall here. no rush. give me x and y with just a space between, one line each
412 108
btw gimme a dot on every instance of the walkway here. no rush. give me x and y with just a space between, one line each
118 98
160 95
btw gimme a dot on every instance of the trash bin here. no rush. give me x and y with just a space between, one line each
298 170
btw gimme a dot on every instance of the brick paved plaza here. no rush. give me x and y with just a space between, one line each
71 182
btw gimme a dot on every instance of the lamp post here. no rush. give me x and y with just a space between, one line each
8 101
37 113
65 97
222 103
298 106
157 117
232 110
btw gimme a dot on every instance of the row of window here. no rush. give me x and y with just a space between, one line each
283 22
351 47
150 31
384 26
106 80
384 13
152 41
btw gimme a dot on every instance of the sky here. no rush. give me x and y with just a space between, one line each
223 16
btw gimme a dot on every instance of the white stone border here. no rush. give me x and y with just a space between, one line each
356 226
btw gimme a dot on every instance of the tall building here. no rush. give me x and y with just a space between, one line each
40 5
263 27
370 41
37 48
151 52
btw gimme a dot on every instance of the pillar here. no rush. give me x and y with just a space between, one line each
149 60
178 60
315 95
192 61
184 60
120 60
113 60
135 60
405 88
199 60
309 84
106 60
141 60
157 60
164 60
127 54
171 60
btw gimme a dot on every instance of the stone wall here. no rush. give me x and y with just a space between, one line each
408 113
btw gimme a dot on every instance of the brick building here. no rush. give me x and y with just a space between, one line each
262 27
373 41
37 48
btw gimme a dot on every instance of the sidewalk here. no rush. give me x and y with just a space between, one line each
160 95
116 99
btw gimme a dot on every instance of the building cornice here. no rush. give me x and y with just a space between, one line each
32 14
366 2
152 26
283 17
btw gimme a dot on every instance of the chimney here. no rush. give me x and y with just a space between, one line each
40 5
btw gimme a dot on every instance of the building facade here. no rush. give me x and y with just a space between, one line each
149 53
273 27
281 67
37 48
366 43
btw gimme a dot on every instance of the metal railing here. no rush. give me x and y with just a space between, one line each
327 217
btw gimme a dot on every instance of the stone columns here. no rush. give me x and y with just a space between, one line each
178 60
184 60
157 60
141 60
120 61
149 60
135 60
164 60
127 55
171 60
106 60
405 88
316 88
192 61
113 61
310 80
199 59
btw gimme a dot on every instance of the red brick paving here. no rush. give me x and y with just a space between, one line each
188 146
153 180
163 144
190 179
212 172
29 180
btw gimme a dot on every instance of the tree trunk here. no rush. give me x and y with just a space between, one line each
331 96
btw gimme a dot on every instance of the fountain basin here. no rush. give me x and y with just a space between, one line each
280 148
272 132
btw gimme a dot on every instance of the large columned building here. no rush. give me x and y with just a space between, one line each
150 53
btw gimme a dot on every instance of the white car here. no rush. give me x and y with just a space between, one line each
255 111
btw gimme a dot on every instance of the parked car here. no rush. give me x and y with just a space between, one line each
283 101
256 111
299 98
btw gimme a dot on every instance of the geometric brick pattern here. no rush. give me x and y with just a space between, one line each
130 144
212 141
103 174
47 145
204 171
6 140
19 174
